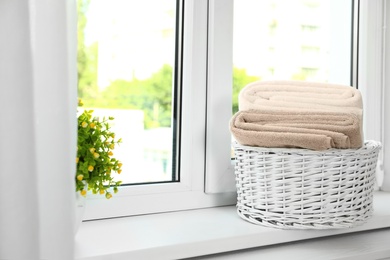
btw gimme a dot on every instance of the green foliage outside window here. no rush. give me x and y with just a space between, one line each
240 80
152 95
86 56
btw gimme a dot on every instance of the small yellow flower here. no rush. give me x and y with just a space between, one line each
112 135
92 125
110 153
80 102
84 124
112 146
119 171
80 177
108 195
92 150
96 155
83 192
101 191
120 165
90 168
77 159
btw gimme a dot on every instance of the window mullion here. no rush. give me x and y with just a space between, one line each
386 96
219 170
371 79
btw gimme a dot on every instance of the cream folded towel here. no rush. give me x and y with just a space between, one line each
312 130
301 95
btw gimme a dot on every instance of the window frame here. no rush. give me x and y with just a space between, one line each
385 167
201 83
373 68
188 193
219 167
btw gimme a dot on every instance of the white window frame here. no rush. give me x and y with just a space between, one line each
385 185
373 78
189 192
219 168
206 102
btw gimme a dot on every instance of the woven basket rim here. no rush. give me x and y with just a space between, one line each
368 146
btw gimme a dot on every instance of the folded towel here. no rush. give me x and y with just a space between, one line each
312 129
301 95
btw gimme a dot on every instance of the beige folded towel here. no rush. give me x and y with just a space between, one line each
312 130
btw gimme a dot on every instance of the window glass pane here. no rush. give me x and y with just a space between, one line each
126 61
291 40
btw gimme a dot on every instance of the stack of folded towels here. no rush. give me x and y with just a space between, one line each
299 114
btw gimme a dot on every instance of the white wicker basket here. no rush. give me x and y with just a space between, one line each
305 189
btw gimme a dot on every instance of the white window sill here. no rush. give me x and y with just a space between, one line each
184 234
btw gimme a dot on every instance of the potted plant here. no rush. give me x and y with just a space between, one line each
95 161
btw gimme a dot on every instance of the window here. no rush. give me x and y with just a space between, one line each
189 69
128 69
313 44
302 46
220 46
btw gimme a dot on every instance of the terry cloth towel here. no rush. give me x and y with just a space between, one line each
302 96
311 130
